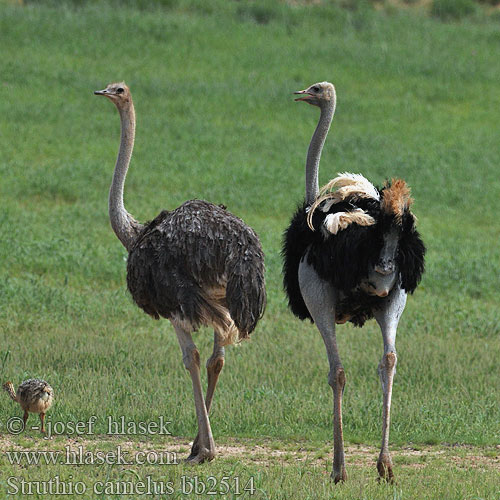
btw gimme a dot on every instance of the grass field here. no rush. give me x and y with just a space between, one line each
212 84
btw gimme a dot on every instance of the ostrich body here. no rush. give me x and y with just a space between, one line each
351 253
196 265
34 396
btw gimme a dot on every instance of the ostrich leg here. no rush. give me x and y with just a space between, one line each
214 366
191 359
42 422
388 319
320 298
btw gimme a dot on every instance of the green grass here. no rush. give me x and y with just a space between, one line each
212 84
256 475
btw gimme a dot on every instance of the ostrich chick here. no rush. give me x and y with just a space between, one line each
34 395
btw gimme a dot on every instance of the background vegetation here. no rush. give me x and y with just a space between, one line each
212 83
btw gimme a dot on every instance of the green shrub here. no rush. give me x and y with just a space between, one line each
138 4
259 13
452 9
356 5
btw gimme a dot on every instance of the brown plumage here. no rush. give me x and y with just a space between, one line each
34 396
397 199
199 265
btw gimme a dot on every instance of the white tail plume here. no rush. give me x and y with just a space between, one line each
344 186
334 223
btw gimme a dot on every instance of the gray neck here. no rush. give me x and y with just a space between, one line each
123 224
315 148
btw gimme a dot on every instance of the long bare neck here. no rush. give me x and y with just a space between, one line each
315 148
123 224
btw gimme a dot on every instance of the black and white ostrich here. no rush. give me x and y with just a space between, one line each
196 265
351 253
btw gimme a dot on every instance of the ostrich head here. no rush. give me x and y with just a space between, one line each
119 93
320 94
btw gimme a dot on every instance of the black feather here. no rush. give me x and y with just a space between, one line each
344 259
181 255
411 255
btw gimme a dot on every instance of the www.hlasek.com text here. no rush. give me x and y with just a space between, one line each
79 456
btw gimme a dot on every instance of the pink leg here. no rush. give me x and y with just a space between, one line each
42 421
386 370
191 359
336 379
320 298
214 367
388 319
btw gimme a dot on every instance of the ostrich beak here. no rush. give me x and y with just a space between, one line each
101 92
306 94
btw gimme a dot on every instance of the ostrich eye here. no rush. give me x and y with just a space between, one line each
119 91
316 89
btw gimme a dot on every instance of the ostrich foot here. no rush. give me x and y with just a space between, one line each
384 467
202 455
194 448
339 476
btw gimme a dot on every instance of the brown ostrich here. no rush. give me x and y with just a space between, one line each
195 265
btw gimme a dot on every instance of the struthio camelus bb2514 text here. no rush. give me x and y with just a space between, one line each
351 253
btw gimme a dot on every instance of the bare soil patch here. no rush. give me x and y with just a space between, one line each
269 452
